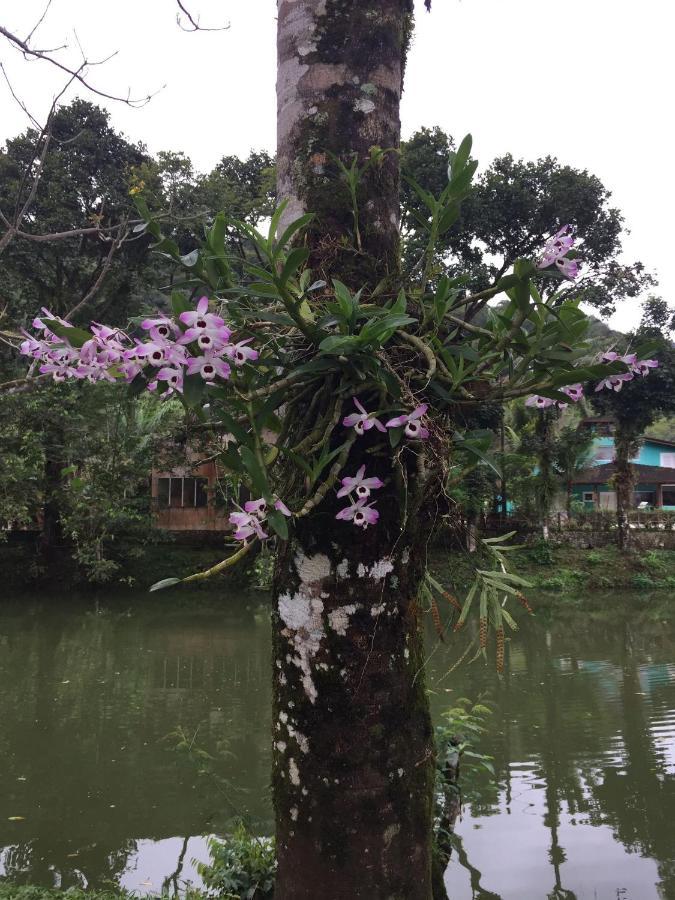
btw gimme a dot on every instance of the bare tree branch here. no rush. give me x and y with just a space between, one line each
77 74
39 22
18 99
115 244
194 22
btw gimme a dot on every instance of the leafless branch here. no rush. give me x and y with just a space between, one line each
194 23
18 99
77 73
39 22
115 244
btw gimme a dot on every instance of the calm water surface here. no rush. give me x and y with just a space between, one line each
95 787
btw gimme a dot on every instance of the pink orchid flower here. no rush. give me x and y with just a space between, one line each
644 365
556 250
256 507
130 370
58 372
281 507
153 351
201 319
173 378
413 428
539 402
360 514
40 325
239 353
208 366
613 382
574 391
359 484
33 347
247 526
207 338
362 420
161 328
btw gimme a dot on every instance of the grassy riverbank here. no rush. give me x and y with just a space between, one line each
560 569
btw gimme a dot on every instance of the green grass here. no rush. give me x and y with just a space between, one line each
569 572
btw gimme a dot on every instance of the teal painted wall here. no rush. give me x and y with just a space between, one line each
649 455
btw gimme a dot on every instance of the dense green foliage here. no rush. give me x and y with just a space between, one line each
86 469
509 215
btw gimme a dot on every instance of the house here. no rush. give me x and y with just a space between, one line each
654 468
187 498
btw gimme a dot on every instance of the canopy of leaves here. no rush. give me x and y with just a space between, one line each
513 209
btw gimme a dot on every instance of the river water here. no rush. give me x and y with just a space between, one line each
107 713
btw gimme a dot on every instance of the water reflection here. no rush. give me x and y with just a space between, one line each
93 791
88 767
583 739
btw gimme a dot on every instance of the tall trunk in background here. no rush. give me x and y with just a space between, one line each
626 445
546 477
353 752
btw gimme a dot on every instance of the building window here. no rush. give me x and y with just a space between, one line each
606 454
667 460
640 498
588 496
182 492
668 494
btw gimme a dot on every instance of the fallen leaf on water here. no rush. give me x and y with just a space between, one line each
16 818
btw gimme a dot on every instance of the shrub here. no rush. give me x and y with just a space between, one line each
242 866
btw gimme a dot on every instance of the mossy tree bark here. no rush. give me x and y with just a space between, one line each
353 750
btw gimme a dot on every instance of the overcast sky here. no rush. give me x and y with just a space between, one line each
589 81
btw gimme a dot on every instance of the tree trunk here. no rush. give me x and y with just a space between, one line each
353 761
626 447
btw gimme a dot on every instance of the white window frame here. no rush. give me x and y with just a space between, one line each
667 460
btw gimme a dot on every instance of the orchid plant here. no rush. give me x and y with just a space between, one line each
295 370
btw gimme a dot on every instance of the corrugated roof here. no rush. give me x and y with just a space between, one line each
645 474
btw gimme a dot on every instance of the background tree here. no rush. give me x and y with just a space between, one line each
570 454
638 404
510 214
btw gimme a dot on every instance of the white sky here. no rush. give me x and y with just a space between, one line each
589 81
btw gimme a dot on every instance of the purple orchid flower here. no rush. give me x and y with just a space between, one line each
59 372
363 420
359 484
555 252
539 402
256 508
130 370
360 514
208 366
574 391
614 382
207 338
201 319
247 526
413 427
33 347
281 507
161 328
240 353
173 378
643 366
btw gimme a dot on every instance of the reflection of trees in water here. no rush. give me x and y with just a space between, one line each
478 892
44 861
572 695
86 703
637 799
